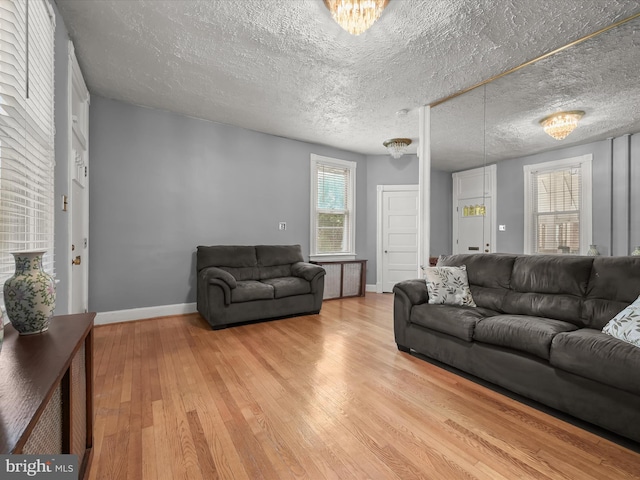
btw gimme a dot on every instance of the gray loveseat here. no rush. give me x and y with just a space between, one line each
536 331
244 283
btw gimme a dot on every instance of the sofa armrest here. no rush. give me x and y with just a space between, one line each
221 278
308 271
414 290
406 294
215 273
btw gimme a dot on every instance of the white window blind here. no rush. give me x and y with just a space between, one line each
26 131
559 212
333 219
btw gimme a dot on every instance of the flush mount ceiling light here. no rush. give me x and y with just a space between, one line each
397 146
561 124
355 16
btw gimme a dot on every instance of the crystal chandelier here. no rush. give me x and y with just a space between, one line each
397 146
355 16
561 124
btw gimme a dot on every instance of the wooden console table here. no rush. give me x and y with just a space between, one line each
345 278
46 390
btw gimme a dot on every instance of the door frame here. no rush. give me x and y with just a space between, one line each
75 81
492 193
379 232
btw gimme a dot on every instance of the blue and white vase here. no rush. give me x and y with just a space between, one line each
30 295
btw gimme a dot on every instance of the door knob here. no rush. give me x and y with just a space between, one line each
76 261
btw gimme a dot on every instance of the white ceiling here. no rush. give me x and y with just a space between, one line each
284 67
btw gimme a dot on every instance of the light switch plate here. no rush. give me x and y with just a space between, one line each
502 228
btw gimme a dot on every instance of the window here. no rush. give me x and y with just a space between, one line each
333 184
26 131
558 206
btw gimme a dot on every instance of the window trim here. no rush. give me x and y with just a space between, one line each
586 210
333 162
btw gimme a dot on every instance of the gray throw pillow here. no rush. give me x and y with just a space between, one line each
449 286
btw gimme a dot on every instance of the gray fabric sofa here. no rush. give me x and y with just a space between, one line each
536 331
237 283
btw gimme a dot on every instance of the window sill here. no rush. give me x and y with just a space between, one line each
332 257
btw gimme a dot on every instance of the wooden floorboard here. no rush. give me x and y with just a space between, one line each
324 396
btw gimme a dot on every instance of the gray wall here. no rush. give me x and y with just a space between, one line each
441 213
383 170
61 180
162 184
616 194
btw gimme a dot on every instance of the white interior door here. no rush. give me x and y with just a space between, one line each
79 248
474 225
474 210
79 187
399 234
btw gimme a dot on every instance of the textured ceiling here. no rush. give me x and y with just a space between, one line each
598 76
284 67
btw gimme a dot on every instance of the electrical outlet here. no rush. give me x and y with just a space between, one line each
282 226
502 228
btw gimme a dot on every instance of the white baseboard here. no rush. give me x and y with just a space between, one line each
116 316
370 288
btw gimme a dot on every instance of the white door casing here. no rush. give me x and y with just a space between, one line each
78 202
473 230
398 235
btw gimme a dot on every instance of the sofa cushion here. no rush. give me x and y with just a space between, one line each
626 324
559 307
288 286
490 271
489 276
551 274
226 256
614 284
459 322
598 356
549 286
486 297
519 332
249 290
269 255
448 285
243 273
275 271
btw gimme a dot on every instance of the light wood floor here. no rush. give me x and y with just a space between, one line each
322 396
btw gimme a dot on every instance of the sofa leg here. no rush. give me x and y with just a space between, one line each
402 348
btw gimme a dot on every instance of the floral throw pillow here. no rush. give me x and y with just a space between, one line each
626 325
449 285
